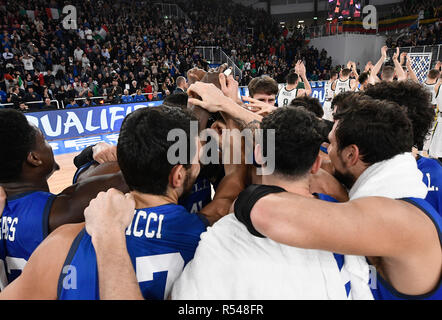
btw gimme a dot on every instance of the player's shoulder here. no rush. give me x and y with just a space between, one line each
65 234
430 163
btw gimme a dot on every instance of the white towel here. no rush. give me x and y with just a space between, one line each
396 178
231 264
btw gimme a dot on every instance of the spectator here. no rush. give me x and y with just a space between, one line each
126 98
89 103
72 104
48 105
139 97
181 85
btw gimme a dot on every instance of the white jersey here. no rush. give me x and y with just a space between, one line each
342 86
328 91
430 87
285 97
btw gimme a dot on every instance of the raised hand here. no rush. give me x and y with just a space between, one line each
211 99
259 107
402 58
229 86
301 69
396 54
104 152
384 51
109 213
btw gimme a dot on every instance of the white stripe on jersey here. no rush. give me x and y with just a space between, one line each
285 97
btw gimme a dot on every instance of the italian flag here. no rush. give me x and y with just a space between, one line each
29 13
102 34
53 13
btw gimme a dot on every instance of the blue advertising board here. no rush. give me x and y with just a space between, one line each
71 130
80 122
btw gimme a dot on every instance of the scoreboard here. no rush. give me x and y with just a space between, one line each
344 9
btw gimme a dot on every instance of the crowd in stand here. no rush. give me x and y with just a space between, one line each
120 46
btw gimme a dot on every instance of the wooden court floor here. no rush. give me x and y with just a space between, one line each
63 178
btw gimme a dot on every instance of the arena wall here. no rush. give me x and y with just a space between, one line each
356 47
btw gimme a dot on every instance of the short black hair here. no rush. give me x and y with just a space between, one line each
176 100
363 77
17 139
380 128
309 103
346 72
297 140
388 72
143 147
292 77
414 98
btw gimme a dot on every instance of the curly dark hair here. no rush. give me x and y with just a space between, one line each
414 98
297 140
380 128
17 139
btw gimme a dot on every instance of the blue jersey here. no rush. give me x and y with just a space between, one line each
201 196
3 277
160 242
432 170
24 225
340 260
384 291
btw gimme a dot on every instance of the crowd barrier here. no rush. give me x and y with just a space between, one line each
71 130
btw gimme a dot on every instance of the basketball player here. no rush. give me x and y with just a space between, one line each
31 211
363 82
388 72
343 83
328 92
435 149
290 91
162 237
417 103
401 238
430 84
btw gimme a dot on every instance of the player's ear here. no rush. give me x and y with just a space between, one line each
316 165
33 159
177 176
350 155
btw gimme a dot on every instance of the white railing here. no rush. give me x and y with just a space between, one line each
215 55
30 102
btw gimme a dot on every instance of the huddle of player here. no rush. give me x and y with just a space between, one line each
312 227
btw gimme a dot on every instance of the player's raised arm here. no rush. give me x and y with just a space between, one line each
378 66
300 67
401 75
411 73
212 99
